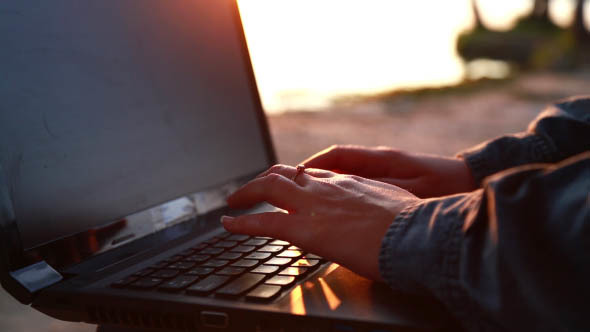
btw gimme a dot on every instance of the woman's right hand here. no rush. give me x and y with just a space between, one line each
421 174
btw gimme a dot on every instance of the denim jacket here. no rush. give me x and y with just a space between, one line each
513 255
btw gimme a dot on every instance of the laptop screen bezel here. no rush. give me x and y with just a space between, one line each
14 256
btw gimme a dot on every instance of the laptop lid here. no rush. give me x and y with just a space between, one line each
117 112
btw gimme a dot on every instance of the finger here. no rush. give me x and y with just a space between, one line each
319 173
325 159
351 159
290 171
272 188
272 224
284 170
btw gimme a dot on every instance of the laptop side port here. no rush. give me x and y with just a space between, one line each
214 319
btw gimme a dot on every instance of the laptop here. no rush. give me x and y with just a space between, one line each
124 125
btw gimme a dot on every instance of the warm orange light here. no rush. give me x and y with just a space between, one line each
331 268
297 303
333 300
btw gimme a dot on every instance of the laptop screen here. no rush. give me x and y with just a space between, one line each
111 107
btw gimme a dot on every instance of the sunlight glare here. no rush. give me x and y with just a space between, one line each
333 300
306 53
486 68
502 14
297 304
561 12
317 49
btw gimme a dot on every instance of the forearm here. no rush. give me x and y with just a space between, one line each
513 255
420 252
561 131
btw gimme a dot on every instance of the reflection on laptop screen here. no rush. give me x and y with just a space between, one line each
112 107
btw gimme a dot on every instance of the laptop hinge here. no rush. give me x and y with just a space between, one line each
31 279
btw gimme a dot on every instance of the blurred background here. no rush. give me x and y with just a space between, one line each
308 53
428 76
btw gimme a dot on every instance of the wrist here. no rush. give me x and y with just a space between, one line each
465 175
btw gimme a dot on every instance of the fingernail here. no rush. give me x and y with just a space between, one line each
225 219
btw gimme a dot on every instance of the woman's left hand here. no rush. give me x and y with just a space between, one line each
340 217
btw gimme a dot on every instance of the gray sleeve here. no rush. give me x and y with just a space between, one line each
513 256
561 131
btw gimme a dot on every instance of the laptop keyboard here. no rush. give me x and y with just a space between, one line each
232 266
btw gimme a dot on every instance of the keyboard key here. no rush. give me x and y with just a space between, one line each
174 259
290 253
293 271
231 271
200 271
215 263
146 283
245 263
258 255
294 248
200 246
159 265
212 240
278 261
255 242
230 256
178 283
165 274
124 282
280 280
197 258
312 256
264 237
280 243
265 269
207 285
224 235
263 293
270 248
238 237
242 249
183 266
225 244
144 272
306 262
187 252
211 251
240 285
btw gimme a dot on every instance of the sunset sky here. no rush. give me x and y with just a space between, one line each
305 52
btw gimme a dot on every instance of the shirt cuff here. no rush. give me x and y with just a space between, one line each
420 251
506 152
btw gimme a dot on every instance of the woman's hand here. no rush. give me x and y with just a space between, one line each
340 217
423 175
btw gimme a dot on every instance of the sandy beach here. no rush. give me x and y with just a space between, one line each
440 123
